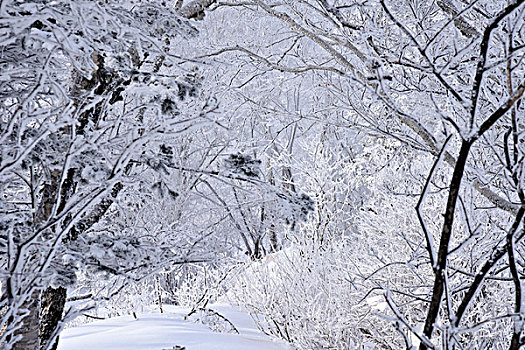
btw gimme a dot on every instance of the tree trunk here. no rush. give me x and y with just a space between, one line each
446 235
52 306
29 330
53 300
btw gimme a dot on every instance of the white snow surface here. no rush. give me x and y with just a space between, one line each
156 331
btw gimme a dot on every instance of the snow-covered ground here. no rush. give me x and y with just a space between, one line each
156 331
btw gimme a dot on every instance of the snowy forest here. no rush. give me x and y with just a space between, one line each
346 174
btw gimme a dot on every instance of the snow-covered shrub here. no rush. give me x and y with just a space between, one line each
308 295
213 319
195 286
326 289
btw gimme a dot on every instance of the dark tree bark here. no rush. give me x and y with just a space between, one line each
446 234
29 330
52 303
459 169
487 266
52 300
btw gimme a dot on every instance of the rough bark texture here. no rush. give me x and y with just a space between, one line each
51 310
29 329
46 309
29 332
53 299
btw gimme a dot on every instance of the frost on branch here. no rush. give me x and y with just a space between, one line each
241 165
214 320
85 91
295 207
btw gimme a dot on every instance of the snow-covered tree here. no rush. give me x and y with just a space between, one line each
135 140
92 96
444 79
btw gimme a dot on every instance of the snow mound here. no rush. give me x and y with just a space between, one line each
156 331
